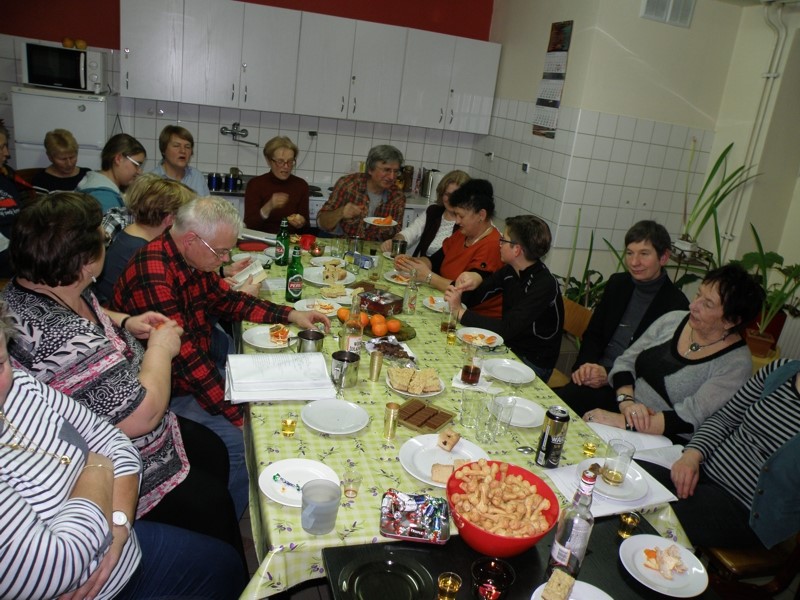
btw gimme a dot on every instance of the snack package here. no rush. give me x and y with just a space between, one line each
416 518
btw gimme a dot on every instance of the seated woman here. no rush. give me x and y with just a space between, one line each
66 340
65 488
685 367
176 144
10 199
428 231
63 174
475 246
737 479
121 161
278 194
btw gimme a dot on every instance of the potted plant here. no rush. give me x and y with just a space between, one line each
781 295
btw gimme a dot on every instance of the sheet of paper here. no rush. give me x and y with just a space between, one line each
665 457
640 441
259 372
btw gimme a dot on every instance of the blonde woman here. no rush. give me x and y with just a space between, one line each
63 174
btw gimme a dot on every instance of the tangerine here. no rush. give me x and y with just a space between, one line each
379 329
364 319
377 318
342 314
393 325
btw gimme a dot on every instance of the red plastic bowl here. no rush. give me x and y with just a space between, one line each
492 544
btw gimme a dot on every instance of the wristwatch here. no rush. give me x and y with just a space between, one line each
623 397
119 518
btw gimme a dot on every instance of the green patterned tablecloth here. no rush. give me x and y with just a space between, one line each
288 555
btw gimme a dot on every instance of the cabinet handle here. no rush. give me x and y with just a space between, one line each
451 117
233 90
342 109
126 79
244 67
127 51
441 114
245 94
354 106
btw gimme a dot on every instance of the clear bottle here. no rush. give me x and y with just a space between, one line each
375 268
353 329
294 277
410 297
282 244
574 528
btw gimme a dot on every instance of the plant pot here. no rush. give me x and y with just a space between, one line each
774 328
760 344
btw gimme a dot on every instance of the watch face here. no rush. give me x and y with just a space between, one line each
119 518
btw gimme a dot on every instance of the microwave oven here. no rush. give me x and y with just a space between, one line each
61 68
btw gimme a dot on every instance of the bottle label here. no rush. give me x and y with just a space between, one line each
294 286
560 554
353 344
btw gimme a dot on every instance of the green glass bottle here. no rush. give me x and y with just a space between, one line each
282 244
294 277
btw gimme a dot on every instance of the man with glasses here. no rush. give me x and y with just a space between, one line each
370 194
533 311
278 194
177 275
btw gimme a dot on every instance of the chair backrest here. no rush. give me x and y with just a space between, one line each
576 318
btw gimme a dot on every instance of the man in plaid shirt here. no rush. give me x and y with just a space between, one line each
177 275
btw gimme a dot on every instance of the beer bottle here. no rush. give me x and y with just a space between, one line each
282 244
294 277
353 330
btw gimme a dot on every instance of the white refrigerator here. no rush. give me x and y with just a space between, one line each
37 111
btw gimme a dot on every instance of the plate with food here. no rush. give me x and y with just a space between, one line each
422 383
336 417
509 371
323 305
282 480
526 413
479 337
380 221
432 457
267 337
327 276
398 277
391 347
340 294
321 261
663 566
580 591
633 488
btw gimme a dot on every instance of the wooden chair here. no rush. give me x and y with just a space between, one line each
576 320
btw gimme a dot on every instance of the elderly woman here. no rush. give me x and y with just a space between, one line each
66 340
121 161
277 194
474 246
429 230
63 174
176 144
686 366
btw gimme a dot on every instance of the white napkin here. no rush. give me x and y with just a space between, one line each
483 384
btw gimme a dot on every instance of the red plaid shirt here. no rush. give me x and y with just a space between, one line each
158 278
353 188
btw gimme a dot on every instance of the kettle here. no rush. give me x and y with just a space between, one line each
427 187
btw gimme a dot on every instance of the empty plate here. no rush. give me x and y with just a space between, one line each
392 578
510 371
337 417
526 413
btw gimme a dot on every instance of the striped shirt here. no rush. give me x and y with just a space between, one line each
50 543
744 433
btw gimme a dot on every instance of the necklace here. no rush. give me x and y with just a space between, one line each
480 237
694 346
18 439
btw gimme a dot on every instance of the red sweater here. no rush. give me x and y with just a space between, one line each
259 191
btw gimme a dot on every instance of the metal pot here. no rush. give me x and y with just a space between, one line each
426 187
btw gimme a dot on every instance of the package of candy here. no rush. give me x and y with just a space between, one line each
415 517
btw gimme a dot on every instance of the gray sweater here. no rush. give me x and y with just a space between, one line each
687 391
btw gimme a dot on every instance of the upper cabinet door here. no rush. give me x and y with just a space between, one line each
323 66
426 79
151 38
376 75
212 51
269 58
472 86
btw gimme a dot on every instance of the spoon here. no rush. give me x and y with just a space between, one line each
525 449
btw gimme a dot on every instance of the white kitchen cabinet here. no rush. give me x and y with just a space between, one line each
472 84
324 63
151 38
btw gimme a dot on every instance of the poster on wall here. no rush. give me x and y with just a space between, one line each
548 96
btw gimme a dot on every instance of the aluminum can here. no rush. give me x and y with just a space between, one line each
214 182
554 434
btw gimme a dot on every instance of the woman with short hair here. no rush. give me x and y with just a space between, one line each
176 144
63 174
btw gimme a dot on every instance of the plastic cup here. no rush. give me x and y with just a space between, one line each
351 482
618 458
320 505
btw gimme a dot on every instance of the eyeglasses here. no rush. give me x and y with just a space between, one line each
139 165
282 163
511 242
219 254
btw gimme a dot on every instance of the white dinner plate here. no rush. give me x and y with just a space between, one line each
510 371
314 275
682 585
311 304
428 395
436 303
388 255
420 453
580 591
319 261
374 222
297 471
394 276
347 299
257 256
337 417
633 488
474 333
526 413
258 337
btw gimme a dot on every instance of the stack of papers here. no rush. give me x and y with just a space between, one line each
276 377
651 448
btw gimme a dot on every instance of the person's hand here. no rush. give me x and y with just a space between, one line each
98 579
297 221
248 287
604 417
278 200
404 262
306 319
453 297
353 211
637 415
237 267
140 326
591 375
685 472
167 336
468 280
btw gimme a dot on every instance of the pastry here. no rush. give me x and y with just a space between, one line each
559 587
448 439
441 473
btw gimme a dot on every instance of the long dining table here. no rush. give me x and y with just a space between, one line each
287 554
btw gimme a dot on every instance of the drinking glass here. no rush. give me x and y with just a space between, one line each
472 403
288 424
627 523
491 578
502 409
473 361
449 584
351 482
336 247
320 505
618 458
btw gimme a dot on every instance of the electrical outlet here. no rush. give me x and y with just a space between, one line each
312 134
490 156
526 166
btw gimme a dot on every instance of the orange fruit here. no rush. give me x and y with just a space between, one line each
364 319
68 42
342 314
393 325
377 318
379 329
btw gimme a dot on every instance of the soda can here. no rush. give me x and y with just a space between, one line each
554 434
